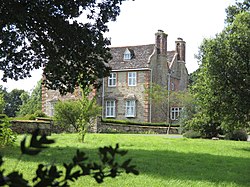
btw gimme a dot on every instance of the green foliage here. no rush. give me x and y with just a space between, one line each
78 167
89 110
77 113
127 122
33 103
13 102
39 113
192 134
238 8
222 88
7 136
36 35
67 114
163 99
238 135
2 103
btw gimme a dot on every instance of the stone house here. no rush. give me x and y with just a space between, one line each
134 69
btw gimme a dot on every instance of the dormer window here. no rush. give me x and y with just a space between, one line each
128 54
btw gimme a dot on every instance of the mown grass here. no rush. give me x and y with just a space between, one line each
162 161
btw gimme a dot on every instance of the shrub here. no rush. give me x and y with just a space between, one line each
7 136
192 134
31 116
127 122
238 135
39 113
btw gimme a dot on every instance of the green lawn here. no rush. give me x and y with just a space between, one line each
162 161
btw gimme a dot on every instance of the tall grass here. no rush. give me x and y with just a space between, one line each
162 161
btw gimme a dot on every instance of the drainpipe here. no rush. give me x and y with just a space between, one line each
168 116
103 109
150 99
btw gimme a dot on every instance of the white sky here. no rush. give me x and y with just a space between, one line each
192 20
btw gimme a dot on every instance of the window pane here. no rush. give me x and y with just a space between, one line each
110 108
131 78
112 79
130 108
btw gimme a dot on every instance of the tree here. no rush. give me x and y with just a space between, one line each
31 103
236 9
3 93
13 102
64 37
2 103
77 113
89 111
164 99
223 86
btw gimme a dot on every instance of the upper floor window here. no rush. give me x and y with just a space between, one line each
110 108
131 78
127 54
175 113
112 80
130 108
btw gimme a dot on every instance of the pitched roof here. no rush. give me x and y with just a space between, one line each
140 57
170 56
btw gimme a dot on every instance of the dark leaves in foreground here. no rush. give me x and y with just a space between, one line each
79 167
37 143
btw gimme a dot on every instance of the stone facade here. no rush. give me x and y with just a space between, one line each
50 97
152 64
123 95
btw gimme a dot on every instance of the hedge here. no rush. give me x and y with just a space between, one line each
127 122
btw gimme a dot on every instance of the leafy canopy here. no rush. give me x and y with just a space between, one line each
64 37
223 85
31 103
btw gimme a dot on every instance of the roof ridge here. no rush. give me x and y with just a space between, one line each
132 46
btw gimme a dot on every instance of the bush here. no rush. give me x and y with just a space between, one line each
39 113
7 136
31 117
192 134
238 135
127 122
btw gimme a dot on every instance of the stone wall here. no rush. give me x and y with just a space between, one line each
28 126
134 129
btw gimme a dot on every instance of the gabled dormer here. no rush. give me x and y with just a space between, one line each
128 54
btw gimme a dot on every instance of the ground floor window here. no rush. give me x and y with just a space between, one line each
110 108
175 113
51 108
130 108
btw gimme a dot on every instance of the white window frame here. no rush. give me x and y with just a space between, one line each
130 110
112 80
175 113
127 55
110 108
132 78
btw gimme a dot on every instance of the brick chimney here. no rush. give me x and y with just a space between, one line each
161 42
180 48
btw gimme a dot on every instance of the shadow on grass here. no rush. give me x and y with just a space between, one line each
161 164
